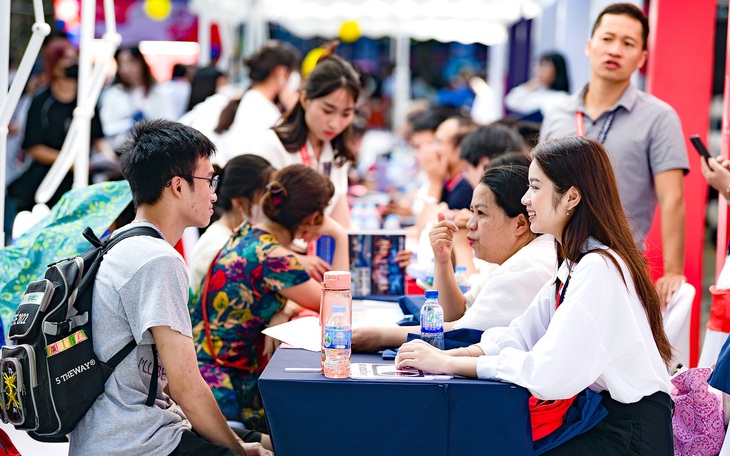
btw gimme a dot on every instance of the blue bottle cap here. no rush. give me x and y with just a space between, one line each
432 294
460 268
338 309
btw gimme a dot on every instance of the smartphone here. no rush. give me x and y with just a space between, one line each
700 146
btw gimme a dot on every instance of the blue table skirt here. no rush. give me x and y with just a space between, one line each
310 414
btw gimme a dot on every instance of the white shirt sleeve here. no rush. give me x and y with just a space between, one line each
598 337
523 100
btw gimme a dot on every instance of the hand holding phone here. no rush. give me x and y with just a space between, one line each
700 146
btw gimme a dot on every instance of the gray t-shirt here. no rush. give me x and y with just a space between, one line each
141 283
644 139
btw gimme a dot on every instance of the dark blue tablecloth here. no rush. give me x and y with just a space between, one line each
310 414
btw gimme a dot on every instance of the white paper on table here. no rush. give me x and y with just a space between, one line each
303 333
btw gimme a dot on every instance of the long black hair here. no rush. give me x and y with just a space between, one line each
330 74
584 164
561 81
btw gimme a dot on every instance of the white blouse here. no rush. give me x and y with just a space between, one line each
599 337
510 287
270 147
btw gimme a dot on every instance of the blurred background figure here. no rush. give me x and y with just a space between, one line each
178 89
134 96
549 86
48 120
272 71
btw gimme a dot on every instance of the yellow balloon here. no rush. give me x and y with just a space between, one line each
310 60
158 10
349 31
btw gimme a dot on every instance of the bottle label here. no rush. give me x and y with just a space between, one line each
337 337
431 323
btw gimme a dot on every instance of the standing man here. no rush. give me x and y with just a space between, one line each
642 134
141 293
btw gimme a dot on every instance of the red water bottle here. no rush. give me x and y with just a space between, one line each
335 292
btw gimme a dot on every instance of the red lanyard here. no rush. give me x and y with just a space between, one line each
306 158
580 126
451 184
560 292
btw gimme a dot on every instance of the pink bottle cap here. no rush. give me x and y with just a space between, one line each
336 280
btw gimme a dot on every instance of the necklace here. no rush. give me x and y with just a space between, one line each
147 221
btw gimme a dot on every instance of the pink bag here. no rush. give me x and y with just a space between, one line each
698 424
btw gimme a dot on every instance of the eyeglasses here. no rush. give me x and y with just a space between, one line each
212 181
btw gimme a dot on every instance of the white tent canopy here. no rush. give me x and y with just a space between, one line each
466 21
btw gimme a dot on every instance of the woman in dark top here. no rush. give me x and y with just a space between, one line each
49 118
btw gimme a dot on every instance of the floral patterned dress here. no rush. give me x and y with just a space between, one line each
242 296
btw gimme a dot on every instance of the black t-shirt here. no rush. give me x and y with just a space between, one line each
48 121
457 193
47 124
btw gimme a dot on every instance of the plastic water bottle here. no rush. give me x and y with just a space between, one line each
357 215
462 278
371 218
337 343
432 320
391 222
336 292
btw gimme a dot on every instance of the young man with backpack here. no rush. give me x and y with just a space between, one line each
141 293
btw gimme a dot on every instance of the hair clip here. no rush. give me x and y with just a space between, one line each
274 190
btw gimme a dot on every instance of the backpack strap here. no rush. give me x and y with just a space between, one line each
121 354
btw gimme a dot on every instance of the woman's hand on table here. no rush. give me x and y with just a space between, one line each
420 355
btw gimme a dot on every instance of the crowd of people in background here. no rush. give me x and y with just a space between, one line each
548 209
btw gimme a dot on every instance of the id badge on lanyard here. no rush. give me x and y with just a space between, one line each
307 160
580 127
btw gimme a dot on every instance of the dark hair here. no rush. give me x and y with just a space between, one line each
147 79
507 183
509 158
268 57
242 177
296 192
430 118
626 9
227 116
179 70
561 81
490 141
584 164
203 85
330 74
527 129
158 150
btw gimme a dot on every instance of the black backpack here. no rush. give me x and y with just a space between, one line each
52 376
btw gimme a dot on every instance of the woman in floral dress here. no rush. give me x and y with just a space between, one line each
248 286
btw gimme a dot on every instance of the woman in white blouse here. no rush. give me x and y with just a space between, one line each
499 233
316 131
134 96
596 325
